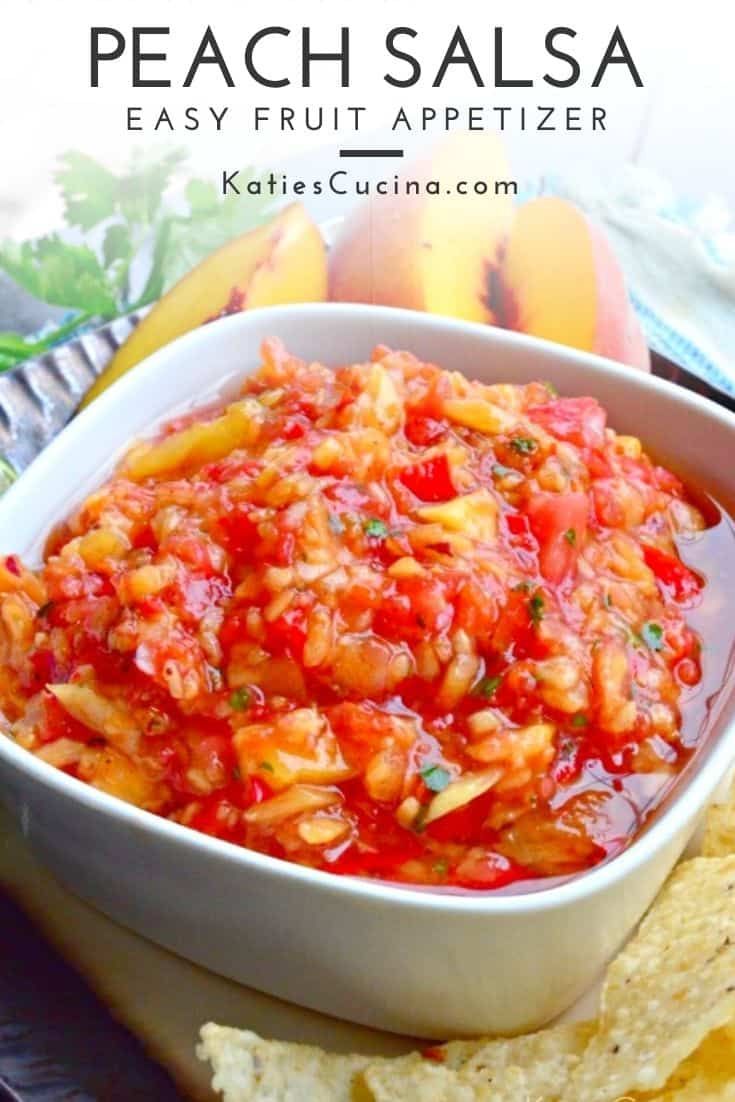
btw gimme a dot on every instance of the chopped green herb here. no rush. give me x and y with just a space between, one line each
488 686
265 765
375 529
570 536
435 777
336 524
580 720
240 700
441 868
551 389
523 445
499 471
653 635
536 608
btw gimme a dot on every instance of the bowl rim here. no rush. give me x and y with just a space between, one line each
699 786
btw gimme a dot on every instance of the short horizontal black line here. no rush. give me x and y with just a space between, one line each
371 152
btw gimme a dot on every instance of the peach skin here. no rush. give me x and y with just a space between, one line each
283 261
560 279
429 252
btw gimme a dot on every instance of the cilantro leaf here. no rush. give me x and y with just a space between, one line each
523 445
131 218
210 222
375 529
488 686
570 536
240 700
60 273
653 635
88 189
117 244
536 608
435 777
141 188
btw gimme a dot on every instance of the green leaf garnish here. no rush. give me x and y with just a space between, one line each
488 686
536 608
61 274
119 218
265 765
240 700
523 445
570 536
653 635
435 777
580 720
375 529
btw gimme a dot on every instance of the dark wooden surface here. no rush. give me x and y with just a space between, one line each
58 1043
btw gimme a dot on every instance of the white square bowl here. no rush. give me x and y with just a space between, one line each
411 961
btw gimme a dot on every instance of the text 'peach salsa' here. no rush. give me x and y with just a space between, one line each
380 620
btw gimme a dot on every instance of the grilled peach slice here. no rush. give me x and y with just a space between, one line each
280 262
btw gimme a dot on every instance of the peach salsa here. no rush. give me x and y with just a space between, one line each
380 620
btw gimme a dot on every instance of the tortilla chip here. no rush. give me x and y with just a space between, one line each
670 987
707 1076
536 1066
719 829
249 1069
553 1051
420 1080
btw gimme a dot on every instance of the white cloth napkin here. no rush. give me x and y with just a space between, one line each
679 260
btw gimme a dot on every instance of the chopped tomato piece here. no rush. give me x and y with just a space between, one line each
581 421
287 633
423 431
415 607
671 572
559 523
239 529
488 870
430 480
